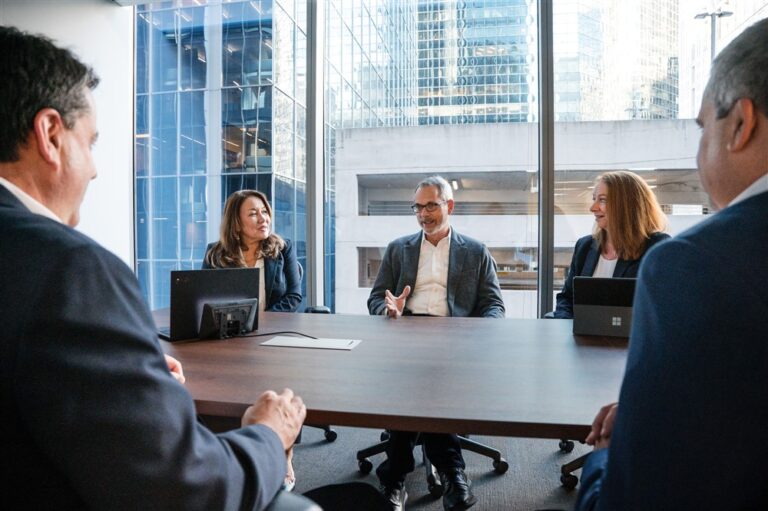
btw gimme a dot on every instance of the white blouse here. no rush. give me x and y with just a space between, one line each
605 267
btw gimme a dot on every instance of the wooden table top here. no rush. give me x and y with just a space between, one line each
508 377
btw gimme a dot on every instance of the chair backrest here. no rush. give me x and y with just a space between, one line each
312 309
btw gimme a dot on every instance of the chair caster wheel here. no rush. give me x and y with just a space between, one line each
364 466
384 436
435 488
331 435
500 466
566 445
569 481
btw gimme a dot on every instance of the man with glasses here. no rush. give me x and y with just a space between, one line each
435 272
689 429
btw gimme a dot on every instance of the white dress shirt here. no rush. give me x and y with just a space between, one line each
759 186
31 204
430 292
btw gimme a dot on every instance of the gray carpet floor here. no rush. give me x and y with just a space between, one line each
532 482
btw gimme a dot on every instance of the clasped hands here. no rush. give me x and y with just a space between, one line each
396 304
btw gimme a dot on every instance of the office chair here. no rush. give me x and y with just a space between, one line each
330 434
285 501
567 479
434 486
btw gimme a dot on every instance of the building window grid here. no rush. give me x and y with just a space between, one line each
183 177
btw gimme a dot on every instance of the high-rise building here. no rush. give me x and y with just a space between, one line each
640 48
475 61
220 106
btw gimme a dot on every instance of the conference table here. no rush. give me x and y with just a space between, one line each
505 377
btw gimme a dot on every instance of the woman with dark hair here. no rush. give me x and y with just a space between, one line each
247 241
628 221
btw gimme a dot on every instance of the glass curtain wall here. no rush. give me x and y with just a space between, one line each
220 106
414 88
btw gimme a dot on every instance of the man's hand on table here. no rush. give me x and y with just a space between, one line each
284 413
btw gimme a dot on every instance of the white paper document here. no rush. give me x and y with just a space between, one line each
305 342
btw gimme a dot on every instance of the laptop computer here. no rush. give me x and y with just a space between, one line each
192 289
602 306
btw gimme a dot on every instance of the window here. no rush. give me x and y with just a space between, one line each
441 103
220 100
413 88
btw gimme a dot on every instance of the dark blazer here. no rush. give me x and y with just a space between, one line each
282 280
473 286
92 418
693 408
585 257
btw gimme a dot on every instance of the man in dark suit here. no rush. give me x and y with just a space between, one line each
450 275
689 429
92 416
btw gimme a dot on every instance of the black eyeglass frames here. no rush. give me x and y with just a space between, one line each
429 206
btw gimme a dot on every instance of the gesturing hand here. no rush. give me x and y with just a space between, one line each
396 304
284 413
602 426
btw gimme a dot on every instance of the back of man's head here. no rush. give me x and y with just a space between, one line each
741 71
35 75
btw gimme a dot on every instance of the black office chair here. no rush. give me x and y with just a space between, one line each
567 479
434 486
285 501
330 434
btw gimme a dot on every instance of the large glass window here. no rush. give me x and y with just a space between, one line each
414 88
628 79
421 88
216 111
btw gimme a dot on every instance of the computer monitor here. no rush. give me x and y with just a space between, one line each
191 290
602 306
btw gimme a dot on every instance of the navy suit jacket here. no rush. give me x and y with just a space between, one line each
584 261
690 432
92 418
473 286
282 280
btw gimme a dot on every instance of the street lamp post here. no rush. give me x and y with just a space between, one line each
719 13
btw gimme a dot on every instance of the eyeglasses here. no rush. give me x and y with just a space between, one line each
429 206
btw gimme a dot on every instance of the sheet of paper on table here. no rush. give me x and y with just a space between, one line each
304 342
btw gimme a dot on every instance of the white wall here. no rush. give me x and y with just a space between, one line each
100 33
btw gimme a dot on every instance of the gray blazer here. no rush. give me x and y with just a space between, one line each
473 287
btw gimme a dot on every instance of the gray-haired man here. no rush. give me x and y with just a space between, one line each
435 272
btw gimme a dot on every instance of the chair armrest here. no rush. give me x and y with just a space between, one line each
286 501
317 309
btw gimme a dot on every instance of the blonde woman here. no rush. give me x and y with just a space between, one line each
628 221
